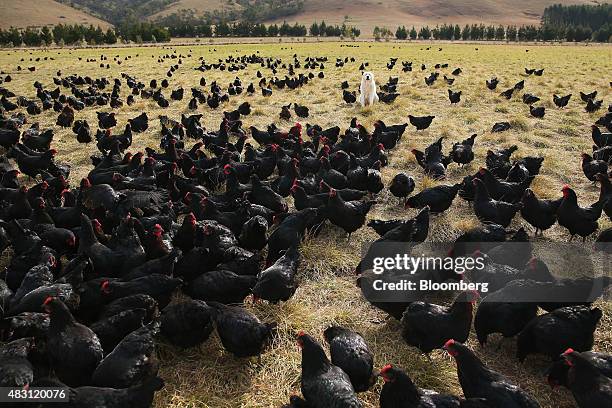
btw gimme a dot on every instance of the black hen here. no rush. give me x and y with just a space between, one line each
588 97
427 326
402 185
499 312
138 396
74 349
278 282
349 351
541 214
462 152
348 215
530 99
537 112
557 372
15 369
492 83
241 332
438 198
578 220
454 97
323 384
400 392
131 362
589 386
591 167
479 381
552 333
492 211
507 93
561 101
300 110
420 122
187 323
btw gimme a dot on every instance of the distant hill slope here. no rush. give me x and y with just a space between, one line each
115 11
199 6
366 14
24 13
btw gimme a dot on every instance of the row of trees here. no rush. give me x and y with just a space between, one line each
324 30
238 29
455 32
246 29
589 16
473 32
199 28
143 32
75 34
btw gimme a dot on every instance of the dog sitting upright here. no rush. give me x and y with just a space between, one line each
367 90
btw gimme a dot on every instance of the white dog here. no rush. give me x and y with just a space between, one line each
367 89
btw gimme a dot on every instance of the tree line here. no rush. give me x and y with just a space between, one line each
76 34
478 32
559 23
207 29
325 30
592 16
197 27
578 22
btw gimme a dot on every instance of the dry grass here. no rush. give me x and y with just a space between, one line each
38 13
207 376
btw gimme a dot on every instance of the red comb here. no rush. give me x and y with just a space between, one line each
386 368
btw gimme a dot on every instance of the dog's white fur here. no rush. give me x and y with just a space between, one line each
367 90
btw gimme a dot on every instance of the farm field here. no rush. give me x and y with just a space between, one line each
207 376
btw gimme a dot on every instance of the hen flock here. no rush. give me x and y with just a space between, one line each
93 269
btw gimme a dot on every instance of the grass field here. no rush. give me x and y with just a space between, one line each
209 377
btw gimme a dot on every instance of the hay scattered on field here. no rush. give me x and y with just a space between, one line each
209 377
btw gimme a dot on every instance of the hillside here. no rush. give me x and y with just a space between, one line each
23 13
366 14
199 6
116 11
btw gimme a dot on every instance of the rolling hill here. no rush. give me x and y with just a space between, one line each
199 6
37 13
364 14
